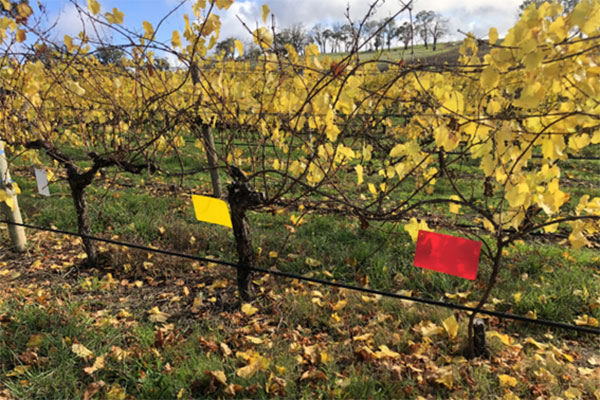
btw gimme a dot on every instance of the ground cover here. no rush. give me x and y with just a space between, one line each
142 325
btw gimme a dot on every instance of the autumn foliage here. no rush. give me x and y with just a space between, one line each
534 94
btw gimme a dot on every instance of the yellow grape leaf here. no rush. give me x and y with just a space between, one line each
538 345
93 6
312 262
124 314
297 221
413 227
508 395
533 60
385 352
211 24
451 326
75 88
517 195
6 4
249 309
116 17
254 340
517 297
493 36
265 13
578 142
340 304
507 380
431 329
35 340
80 350
18 370
157 316
219 376
98 364
176 39
372 189
488 164
24 10
359 172
248 371
263 37
116 392
21 35
326 357
490 77
454 208
69 43
148 29
576 238
239 46
586 320
505 339
493 107
397 150
213 42
224 4
446 378
573 393
364 337
595 137
9 200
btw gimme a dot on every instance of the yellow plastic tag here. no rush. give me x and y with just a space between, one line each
211 210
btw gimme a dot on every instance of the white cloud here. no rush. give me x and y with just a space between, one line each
69 21
476 16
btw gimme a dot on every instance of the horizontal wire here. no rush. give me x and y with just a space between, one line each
501 315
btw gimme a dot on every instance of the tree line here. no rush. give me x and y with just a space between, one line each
427 26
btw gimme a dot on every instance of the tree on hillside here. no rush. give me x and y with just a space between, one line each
251 51
389 33
227 47
423 21
295 36
348 36
318 35
438 29
368 30
109 55
405 33
162 64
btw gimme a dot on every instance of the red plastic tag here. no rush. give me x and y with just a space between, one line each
448 254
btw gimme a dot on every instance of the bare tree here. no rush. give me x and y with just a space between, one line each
438 29
405 33
389 33
318 35
295 36
227 47
423 21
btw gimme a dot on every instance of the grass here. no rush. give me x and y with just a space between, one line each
418 52
305 334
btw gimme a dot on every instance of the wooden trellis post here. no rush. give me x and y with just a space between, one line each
17 233
211 155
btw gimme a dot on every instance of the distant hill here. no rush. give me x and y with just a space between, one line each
446 53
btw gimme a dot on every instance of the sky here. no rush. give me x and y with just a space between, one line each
475 16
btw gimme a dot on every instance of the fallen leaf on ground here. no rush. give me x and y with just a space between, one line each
80 350
507 380
249 309
92 389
